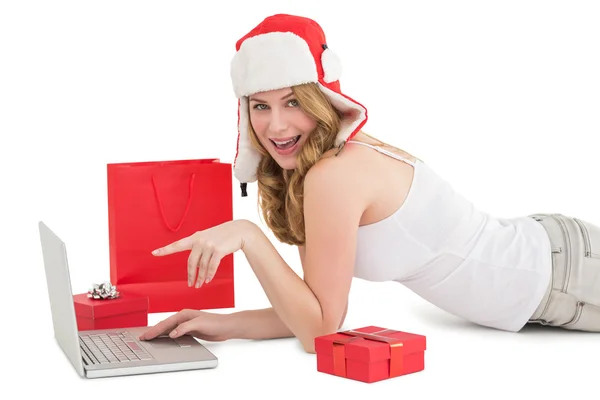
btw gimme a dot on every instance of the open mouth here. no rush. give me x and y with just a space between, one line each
286 144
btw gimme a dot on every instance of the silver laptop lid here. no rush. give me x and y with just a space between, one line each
61 296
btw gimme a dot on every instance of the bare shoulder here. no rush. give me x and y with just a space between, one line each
329 166
335 180
384 181
334 172
355 161
348 150
372 141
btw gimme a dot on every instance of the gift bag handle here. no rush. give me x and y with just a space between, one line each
187 207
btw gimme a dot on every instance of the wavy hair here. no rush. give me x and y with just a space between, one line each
280 192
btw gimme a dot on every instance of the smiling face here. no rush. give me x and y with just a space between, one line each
281 126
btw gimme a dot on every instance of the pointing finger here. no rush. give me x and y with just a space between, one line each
181 245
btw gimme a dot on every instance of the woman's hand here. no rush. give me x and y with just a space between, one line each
200 324
208 247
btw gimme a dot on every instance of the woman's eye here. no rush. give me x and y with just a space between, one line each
293 103
260 107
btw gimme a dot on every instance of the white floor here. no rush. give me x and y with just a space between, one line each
462 361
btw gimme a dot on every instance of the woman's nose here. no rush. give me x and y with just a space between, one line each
278 122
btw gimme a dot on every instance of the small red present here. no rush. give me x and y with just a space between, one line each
370 354
125 311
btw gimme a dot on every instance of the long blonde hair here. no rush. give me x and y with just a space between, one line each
280 192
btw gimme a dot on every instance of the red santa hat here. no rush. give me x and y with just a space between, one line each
283 51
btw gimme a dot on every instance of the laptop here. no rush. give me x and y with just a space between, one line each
109 352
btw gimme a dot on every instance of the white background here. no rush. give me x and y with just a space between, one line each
501 98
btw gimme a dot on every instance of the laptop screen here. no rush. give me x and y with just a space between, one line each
61 296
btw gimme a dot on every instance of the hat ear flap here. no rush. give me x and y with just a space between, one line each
332 65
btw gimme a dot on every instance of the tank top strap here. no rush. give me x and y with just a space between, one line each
384 151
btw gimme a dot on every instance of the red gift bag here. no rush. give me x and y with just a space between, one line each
152 204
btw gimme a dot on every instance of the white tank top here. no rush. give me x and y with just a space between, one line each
488 270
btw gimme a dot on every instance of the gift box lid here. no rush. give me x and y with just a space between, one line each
93 308
373 347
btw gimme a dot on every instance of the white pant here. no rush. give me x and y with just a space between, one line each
572 300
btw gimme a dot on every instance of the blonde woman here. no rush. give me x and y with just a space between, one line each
357 207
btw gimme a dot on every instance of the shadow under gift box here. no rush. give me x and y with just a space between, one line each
126 311
154 203
370 354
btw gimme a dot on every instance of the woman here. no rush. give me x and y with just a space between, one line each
357 207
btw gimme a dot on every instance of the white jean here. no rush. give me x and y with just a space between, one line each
572 300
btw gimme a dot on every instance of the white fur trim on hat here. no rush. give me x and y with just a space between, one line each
354 113
248 157
272 61
332 66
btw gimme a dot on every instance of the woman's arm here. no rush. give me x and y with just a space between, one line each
261 324
316 305
264 323
257 325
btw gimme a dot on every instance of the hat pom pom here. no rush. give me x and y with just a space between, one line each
332 66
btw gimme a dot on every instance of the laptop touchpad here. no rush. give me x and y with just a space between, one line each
163 342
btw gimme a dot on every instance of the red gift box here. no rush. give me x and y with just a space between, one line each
370 354
125 311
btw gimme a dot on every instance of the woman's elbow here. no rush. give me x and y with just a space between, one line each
309 343
310 349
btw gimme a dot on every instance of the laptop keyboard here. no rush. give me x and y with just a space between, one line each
114 347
